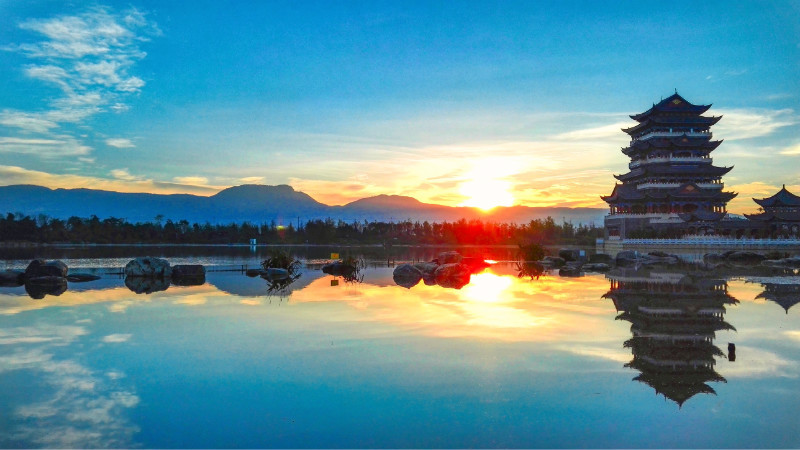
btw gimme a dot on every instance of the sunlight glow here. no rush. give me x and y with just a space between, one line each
485 187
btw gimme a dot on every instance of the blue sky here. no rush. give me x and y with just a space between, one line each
344 100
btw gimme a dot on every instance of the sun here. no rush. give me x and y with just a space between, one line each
486 194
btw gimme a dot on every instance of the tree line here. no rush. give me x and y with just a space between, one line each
44 229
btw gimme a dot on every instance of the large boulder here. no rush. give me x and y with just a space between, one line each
406 275
452 275
428 269
149 268
746 257
449 258
572 269
12 278
40 268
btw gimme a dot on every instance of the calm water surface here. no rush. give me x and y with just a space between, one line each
628 359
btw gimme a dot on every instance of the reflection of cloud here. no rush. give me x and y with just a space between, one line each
493 306
80 410
753 362
116 338
598 352
794 335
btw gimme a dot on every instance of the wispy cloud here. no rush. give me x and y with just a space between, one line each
794 150
88 58
63 145
195 181
120 143
17 175
739 124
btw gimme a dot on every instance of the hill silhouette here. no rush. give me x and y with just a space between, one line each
259 204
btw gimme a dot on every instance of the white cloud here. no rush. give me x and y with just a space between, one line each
17 175
116 338
45 148
196 181
124 174
612 131
27 122
751 123
88 57
794 150
120 143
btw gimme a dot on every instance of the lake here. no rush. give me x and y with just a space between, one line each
622 359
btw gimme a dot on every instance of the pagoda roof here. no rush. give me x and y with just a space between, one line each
782 198
703 121
777 216
703 142
628 191
673 169
672 104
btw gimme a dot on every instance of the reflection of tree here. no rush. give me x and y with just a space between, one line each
532 269
280 287
674 319
786 295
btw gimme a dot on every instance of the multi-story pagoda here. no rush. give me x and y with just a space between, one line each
674 319
672 179
780 213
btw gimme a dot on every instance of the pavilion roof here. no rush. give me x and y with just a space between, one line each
701 216
672 104
781 198
777 216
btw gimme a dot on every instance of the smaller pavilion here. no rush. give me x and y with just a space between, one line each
780 213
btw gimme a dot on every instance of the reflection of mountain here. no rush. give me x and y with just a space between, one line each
786 295
674 319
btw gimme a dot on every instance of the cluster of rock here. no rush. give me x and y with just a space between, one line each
42 278
450 270
570 263
745 258
147 275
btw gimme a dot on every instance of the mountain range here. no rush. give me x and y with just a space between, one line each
260 204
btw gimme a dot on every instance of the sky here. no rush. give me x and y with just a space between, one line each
455 103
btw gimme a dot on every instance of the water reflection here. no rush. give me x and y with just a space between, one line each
784 294
674 319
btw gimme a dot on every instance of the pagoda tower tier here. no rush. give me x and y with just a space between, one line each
671 176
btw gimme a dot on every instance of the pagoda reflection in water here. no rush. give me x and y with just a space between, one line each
786 295
674 319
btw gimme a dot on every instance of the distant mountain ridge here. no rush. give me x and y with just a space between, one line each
259 204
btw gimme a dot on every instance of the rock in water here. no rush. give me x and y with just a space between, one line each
406 275
40 268
453 276
81 277
449 258
148 267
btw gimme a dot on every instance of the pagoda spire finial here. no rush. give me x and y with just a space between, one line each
676 90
